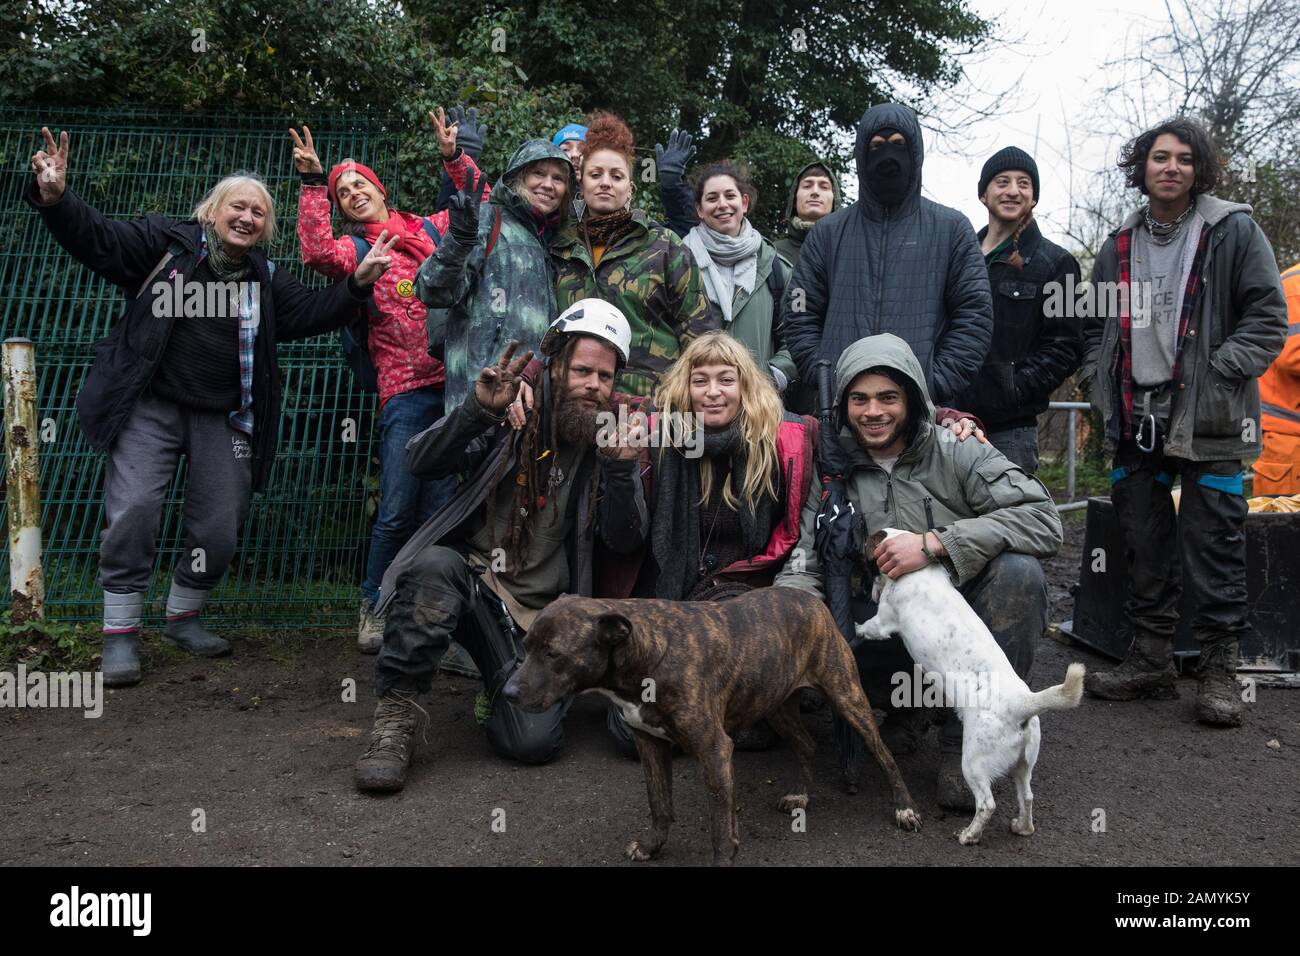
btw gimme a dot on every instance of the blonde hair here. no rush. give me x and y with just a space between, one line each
758 419
515 182
206 210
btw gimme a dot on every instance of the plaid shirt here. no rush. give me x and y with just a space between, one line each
250 319
1191 296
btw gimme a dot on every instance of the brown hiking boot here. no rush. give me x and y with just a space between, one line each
382 768
1218 692
1148 671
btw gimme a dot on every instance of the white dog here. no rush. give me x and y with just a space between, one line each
998 711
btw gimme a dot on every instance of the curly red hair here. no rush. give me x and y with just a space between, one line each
607 131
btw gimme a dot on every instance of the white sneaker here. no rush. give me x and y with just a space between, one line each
370 630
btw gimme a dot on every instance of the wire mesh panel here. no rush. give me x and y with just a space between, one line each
303 549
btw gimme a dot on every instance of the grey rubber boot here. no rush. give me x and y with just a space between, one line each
1218 692
121 659
187 633
382 768
1148 671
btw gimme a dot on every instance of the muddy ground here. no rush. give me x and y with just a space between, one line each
263 744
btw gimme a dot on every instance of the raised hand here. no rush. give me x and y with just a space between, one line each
471 135
462 210
498 384
446 133
630 436
377 260
51 167
305 159
671 162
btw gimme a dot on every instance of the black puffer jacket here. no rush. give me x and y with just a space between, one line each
913 269
1033 351
124 253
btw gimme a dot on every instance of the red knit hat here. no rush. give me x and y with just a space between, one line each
352 166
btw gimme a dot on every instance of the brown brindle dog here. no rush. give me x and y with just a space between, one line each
692 673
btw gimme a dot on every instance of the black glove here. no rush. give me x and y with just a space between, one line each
671 162
471 135
462 211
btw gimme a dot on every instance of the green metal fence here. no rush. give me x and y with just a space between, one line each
304 545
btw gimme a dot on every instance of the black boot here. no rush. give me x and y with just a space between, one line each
950 785
382 768
121 660
1218 692
187 633
1148 671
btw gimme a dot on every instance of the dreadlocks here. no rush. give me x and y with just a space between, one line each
533 457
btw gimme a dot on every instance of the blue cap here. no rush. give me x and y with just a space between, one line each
568 133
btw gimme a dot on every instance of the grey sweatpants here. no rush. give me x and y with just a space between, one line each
139 470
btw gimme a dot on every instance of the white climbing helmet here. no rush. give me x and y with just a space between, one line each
590 317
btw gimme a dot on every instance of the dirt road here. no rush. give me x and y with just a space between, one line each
263 745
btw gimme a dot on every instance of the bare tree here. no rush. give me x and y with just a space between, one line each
1235 65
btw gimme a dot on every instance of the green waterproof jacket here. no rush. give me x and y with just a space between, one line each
979 502
493 298
650 277
756 316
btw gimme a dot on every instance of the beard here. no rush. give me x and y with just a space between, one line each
576 424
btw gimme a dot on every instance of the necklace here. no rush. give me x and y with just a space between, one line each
1163 233
708 563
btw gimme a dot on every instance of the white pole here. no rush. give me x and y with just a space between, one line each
26 577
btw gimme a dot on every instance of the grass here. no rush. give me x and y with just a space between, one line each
1091 477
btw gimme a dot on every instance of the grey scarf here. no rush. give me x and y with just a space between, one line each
725 262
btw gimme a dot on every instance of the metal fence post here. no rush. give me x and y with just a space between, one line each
26 578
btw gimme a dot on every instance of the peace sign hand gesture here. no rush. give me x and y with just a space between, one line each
51 167
446 132
304 152
497 384
377 260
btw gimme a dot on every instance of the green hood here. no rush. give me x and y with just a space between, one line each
530 152
885 350
837 199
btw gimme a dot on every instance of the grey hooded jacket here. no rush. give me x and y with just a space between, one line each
1238 329
914 269
980 503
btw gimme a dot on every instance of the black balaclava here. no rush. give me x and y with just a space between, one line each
889 169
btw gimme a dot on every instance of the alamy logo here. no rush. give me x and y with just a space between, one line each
209 300
82 690
74 909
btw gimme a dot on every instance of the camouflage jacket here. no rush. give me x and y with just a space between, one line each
492 299
650 276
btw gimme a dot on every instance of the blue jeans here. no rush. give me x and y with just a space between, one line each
405 502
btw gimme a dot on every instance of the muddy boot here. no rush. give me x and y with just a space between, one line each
950 785
456 660
1218 692
121 663
382 768
902 730
1148 671
370 629
187 633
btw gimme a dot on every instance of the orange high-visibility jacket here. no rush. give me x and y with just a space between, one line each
1279 387
1277 472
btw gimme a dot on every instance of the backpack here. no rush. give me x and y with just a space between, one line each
776 280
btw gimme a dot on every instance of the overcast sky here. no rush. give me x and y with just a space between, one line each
1065 45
